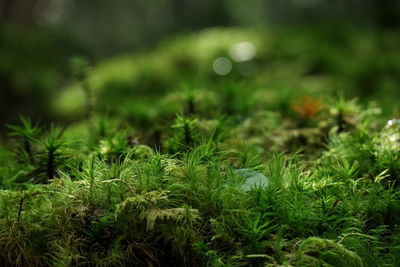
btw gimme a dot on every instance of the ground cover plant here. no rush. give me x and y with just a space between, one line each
167 163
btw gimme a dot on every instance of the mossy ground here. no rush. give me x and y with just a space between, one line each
144 175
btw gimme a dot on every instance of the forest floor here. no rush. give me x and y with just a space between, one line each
229 147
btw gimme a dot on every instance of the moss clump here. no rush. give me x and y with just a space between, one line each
315 251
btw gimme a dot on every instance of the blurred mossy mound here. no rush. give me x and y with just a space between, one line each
288 63
138 80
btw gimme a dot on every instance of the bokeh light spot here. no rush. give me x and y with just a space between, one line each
243 51
222 66
393 122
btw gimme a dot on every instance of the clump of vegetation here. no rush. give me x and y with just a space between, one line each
318 252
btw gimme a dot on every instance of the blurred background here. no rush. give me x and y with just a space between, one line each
343 43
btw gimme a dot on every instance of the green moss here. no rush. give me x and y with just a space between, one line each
316 251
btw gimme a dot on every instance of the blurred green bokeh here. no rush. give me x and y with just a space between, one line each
303 46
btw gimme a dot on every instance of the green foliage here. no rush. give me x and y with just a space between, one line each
131 204
133 185
322 252
27 133
184 134
38 157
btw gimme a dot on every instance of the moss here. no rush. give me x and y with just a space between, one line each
315 251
